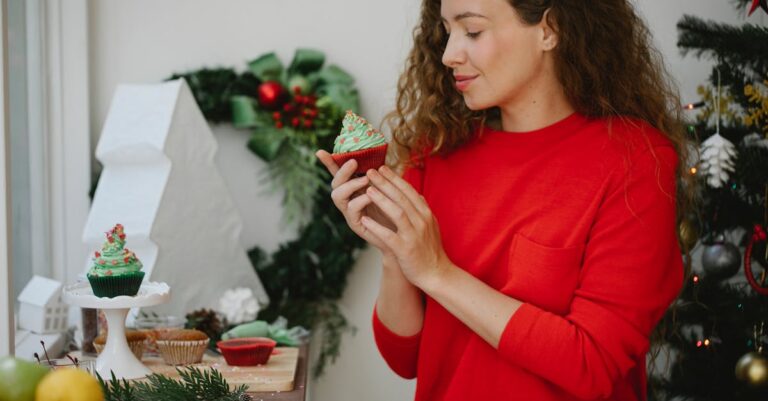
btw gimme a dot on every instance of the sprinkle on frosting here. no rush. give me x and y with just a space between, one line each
114 258
357 134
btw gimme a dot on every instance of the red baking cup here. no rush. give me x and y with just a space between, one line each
247 351
367 159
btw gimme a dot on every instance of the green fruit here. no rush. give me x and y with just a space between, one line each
19 378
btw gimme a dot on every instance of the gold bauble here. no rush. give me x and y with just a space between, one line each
688 235
752 368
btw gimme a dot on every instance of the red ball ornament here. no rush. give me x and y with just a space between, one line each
758 235
271 94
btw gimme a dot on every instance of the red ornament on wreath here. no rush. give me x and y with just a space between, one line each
758 235
271 94
758 3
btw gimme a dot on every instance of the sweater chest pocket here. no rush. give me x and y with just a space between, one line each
541 275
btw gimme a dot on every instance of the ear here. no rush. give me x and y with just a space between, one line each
549 36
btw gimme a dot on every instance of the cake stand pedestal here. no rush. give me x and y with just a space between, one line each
116 356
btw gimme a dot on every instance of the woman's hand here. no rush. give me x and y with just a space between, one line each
348 194
416 243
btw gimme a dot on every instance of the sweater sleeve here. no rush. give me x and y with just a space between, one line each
400 353
631 272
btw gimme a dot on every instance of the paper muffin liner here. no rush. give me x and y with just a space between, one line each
137 347
113 286
177 352
367 159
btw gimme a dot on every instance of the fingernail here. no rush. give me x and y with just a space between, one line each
373 191
364 220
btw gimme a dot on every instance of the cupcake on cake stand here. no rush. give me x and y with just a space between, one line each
117 356
115 285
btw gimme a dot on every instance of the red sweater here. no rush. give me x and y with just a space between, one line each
575 220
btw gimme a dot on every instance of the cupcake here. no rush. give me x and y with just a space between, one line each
116 270
182 347
136 342
360 141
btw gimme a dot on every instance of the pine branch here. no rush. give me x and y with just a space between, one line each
744 46
116 390
195 385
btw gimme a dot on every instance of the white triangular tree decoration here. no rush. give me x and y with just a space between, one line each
161 182
717 160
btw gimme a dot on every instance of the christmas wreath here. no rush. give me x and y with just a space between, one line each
289 113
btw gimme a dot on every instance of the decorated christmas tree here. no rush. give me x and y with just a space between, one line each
713 343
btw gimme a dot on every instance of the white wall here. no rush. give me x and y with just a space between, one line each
142 41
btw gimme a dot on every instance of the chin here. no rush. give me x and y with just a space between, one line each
474 104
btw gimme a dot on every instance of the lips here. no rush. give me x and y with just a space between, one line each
463 81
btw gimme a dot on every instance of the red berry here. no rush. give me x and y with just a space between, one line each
126 259
287 107
297 90
111 239
279 124
276 115
299 99
310 100
122 236
98 254
114 263
313 113
307 123
295 122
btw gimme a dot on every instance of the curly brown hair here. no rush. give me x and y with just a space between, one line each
603 77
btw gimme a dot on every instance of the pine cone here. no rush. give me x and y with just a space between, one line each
207 321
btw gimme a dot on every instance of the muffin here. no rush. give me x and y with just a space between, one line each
182 347
136 342
359 140
116 270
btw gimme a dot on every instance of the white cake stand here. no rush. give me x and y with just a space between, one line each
116 356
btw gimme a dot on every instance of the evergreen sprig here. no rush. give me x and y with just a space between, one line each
194 385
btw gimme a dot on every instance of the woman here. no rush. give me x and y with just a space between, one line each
529 248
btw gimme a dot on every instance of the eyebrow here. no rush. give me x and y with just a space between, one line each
464 15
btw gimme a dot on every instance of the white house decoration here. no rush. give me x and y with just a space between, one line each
41 310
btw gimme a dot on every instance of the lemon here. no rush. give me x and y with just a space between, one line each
69 385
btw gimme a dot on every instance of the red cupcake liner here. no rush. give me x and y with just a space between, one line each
247 351
367 159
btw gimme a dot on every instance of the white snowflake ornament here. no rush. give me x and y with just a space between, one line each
239 305
718 157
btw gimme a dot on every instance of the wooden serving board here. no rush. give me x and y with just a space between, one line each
277 375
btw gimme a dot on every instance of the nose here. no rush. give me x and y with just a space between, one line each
453 55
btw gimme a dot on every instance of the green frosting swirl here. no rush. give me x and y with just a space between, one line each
357 134
114 259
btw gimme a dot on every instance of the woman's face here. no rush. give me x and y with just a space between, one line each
496 59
